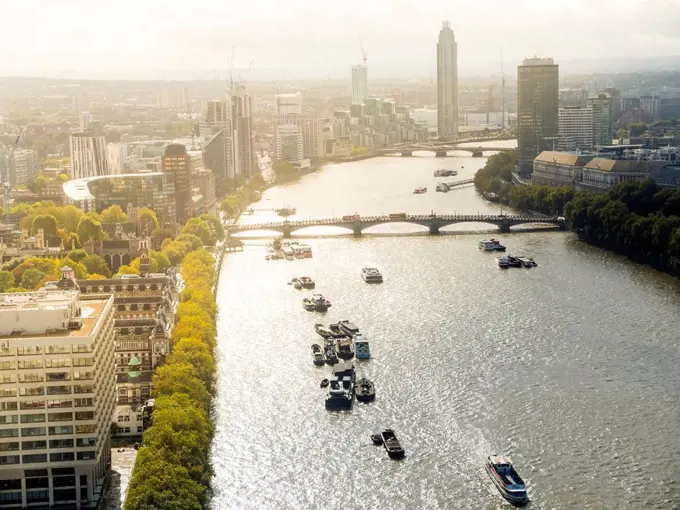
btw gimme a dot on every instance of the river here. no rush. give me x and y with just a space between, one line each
571 368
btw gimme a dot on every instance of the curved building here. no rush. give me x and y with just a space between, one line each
155 190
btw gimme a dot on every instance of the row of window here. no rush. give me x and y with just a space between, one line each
126 417
86 442
51 404
8 378
29 364
53 431
52 390
50 349
126 430
42 457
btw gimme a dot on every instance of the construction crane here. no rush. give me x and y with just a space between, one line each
231 71
502 93
5 177
363 53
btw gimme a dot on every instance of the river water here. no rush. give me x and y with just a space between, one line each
571 368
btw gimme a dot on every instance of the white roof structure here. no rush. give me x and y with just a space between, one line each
78 189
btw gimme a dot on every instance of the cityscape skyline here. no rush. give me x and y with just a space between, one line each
129 46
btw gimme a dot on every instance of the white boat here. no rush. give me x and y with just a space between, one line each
371 275
420 190
288 252
487 245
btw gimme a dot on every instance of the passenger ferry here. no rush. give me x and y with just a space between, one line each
505 478
443 172
491 245
420 190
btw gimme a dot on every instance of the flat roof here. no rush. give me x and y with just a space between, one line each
78 189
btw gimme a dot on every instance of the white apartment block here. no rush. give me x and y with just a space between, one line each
289 103
118 155
57 398
575 128
359 84
89 157
311 128
24 167
289 143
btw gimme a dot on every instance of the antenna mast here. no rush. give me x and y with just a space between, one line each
231 71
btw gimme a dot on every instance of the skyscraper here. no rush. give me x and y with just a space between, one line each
602 118
575 128
243 157
447 84
537 104
359 84
89 157
177 162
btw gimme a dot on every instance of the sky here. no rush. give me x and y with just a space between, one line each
123 38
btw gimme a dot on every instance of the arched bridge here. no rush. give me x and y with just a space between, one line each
434 222
439 150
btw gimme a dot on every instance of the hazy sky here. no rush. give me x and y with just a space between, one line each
45 37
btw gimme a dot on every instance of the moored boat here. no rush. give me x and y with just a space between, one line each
330 356
503 262
497 245
420 190
316 303
505 478
443 172
365 390
341 388
371 275
362 349
349 328
317 355
486 245
325 332
513 261
392 445
306 282
344 348
288 253
527 261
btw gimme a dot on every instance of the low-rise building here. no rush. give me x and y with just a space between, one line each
601 174
557 168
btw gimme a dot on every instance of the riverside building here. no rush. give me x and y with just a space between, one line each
57 397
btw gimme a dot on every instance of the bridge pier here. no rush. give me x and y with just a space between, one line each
356 228
504 226
406 153
434 228
440 154
286 231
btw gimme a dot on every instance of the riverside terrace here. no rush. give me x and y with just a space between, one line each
434 222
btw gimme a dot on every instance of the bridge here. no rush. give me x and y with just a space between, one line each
439 150
434 222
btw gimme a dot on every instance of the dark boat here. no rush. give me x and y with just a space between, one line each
317 355
527 261
365 390
306 282
377 439
348 328
477 154
336 331
330 356
341 389
391 444
505 478
324 383
344 348
497 246
325 332
513 261
316 303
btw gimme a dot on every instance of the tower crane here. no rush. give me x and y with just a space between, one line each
5 177
363 53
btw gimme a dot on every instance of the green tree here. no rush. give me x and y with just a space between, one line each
6 281
215 225
147 220
159 235
191 241
113 214
78 255
95 264
90 228
31 277
162 261
180 378
637 128
48 223
71 218
200 229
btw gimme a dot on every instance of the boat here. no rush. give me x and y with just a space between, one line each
316 303
503 262
286 211
442 187
303 282
392 445
349 328
371 275
336 331
377 439
295 282
325 332
513 261
527 261
288 253
444 172
486 245
420 190
505 478
362 349
344 348
497 245
341 388
324 383
306 251
317 355
365 390
477 153
330 356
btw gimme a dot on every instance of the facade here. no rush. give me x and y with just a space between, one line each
243 160
117 153
537 104
89 157
58 398
204 192
215 155
447 84
155 190
572 97
650 105
359 84
289 103
574 128
312 132
217 117
24 167
557 168
289 143
176 162
601 174
602 118
426 118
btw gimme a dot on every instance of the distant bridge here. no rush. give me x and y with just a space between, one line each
434 222
439 150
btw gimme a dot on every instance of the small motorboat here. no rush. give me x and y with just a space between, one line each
497 245
324 383
362 349
371 275
514 261
328 332
527 261
316 303
349 328
392 445
330 355
344 348
365 390
505 478
303 282
341 389
295 283
317 355
420 190
377 439
336 331
503 262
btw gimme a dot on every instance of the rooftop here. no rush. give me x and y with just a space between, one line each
622 165
562 158
77 189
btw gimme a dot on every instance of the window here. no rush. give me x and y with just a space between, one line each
83 362
32 431
8 365
31 377
80 348
58 349
5 420
37 483
61 430
8 406
37 496
57 362
60 416
9 432
83 376
58 390
84 415
8 392
10 459
9 447
8 351
84 402
139 430
55 404
32 418
58 376
61 456
87 429
31 392
86 441
7 378
33 445
29 351
86 455
33 404
83 388
30 364
34 458
61 443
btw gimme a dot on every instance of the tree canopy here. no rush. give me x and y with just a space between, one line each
113 214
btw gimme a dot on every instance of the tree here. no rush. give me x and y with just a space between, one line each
127 270
71 218
6 281
90 228
180 378
79 270
162 261
31 277
191 241
637 128
48 223
622 133
136 265
231 206
175 252
95 276
78 255
195 327
147 220
113 214
215 225
159 235
95 264
200 229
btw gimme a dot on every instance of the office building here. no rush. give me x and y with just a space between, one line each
155 190
176 162
311 128
84 120
557 168
89 157
572 97
117 153
650 106
289 103
574 128
359 84
537 104
447 84
24 167
58 398
602 118
243 160
216 152
289 143
217 117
